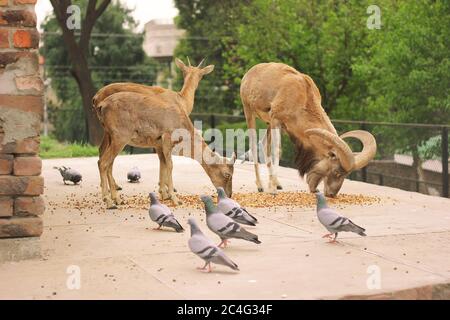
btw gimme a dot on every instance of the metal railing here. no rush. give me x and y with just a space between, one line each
410 156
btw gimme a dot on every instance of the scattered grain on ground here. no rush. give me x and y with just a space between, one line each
251 200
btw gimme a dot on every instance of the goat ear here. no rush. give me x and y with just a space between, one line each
332 155
180 64
207 69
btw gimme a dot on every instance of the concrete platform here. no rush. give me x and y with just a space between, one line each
405 255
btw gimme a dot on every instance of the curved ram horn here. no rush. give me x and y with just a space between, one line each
201 62
343 151
369 147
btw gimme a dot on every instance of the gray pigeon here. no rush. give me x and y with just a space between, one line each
162 215
232 209
223 225
69 174
206 249
134 175
333 221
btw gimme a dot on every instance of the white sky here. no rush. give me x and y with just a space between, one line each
144 10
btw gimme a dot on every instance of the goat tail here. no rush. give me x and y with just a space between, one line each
97 103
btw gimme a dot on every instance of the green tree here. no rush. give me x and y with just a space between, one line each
115 54
408 74
211 31
319 38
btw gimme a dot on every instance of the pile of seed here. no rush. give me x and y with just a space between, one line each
251 200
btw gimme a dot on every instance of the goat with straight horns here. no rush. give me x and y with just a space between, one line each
149 117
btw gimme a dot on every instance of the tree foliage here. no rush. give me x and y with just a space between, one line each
115 54
397 73
211 31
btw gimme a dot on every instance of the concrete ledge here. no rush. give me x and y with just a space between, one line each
439 291
19 249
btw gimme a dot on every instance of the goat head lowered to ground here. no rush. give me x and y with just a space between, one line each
288 100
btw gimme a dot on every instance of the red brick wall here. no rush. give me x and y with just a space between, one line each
21 105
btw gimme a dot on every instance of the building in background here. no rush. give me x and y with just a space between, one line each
161 39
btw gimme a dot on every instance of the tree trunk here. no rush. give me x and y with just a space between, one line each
87 90
78 53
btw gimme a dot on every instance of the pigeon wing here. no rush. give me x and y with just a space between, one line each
208 251
157 213
334 222
202 247
349 226
225 205
172 222
226 228
222 225
221 258
251 216
233 210
330 219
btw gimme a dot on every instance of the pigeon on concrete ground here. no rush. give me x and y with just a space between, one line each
223 225
162 215
333 221
69 174
233 209
134 175
206 249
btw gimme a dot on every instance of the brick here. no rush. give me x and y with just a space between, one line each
28 146
21 227
27 166
4 40
6 163
18 18
26 39
30 84
26 61
29 186
6 207
20 131
25 103
18 2
25 206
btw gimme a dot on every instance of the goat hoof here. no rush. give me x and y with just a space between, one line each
118 188
260 189
279 187
110 205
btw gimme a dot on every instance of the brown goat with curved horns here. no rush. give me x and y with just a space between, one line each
288 100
